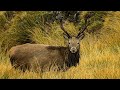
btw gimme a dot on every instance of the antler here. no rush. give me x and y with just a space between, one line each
76 16
60 18
86 24
61 25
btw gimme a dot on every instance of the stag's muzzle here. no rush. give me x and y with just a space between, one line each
73 50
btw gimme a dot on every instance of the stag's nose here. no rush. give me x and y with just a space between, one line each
73 50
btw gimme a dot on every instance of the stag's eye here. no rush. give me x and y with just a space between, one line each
77 43
69 43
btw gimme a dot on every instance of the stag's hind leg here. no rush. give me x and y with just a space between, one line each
16 65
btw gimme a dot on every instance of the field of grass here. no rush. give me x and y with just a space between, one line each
100 54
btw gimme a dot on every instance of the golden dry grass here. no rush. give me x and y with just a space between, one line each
100 56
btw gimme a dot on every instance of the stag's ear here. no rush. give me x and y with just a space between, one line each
81 36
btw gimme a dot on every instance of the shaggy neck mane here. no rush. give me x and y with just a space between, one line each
73 58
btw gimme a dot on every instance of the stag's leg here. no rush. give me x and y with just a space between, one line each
25 67
22 67
13 62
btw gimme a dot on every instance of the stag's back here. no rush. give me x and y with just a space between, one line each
38 56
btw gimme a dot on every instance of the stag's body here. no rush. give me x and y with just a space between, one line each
42 57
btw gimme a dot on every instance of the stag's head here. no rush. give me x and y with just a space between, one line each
73 42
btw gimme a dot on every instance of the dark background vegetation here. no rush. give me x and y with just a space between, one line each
16 26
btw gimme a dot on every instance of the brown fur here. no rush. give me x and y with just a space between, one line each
39 57
42 57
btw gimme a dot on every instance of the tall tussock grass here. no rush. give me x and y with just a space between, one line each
100 53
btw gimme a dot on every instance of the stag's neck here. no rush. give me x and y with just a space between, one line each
73 58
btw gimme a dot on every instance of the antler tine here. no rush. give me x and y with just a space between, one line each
84 27
61 25
86 23
60 18
75 16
